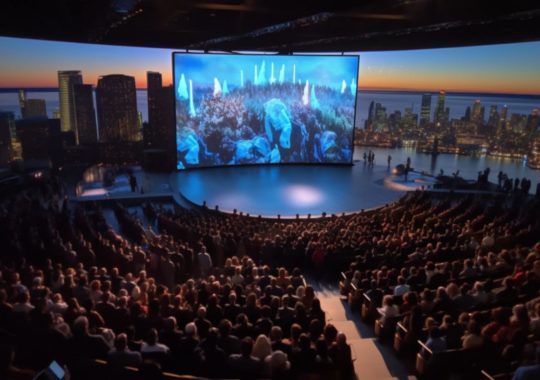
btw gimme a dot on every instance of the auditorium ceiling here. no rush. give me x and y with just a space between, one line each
275 25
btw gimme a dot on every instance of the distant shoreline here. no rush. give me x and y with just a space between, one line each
479 94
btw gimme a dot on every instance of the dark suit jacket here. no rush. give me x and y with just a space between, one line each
245 368
124 358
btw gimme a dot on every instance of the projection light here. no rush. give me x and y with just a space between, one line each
303 195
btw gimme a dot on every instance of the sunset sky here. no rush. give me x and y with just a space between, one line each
510 68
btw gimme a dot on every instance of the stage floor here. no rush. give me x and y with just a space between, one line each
290 189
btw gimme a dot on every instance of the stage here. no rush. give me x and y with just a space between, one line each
288 190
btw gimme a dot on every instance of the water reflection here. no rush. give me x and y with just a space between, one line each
468 166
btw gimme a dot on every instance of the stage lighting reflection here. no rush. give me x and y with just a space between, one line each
303 195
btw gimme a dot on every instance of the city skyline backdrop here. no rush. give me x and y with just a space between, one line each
505 68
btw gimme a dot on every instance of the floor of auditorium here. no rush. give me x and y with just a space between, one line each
372 360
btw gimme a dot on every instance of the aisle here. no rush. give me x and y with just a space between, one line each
372 361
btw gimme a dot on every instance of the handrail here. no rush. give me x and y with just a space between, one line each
400 326
423 345
486 375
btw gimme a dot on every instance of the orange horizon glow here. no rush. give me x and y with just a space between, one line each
503 69
36 81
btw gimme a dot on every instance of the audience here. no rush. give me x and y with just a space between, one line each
204 285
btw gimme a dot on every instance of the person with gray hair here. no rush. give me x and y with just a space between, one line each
121 355
84 345
190 362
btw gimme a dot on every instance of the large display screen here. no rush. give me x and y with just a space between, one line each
261 109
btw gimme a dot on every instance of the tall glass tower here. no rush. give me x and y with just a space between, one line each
426 109
439 110
66 81
117 108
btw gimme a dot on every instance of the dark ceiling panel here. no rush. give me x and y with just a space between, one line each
283 25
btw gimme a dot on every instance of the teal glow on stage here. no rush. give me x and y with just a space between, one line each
289 189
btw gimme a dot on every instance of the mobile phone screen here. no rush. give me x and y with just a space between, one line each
57 370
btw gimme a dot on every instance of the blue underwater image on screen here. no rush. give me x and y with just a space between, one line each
261 109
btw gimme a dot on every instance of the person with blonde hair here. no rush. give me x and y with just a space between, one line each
262 347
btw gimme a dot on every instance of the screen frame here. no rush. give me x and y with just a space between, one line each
350 163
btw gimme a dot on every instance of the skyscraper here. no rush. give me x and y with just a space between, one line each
85 115
503 120
440 113
40 139
154 85
371 113
160 128
7 126
476 114
66 81
35 108
22 102
425 111
117 108
493 120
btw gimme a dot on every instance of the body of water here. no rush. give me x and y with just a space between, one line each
468 166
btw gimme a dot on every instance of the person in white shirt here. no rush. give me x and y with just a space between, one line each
401 288
57 305
388 309
152 345
205 262
237 278
23 306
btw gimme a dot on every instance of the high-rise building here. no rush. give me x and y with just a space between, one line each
40 139
161 119
7 126
22 102
117 108
66 81
476 112
85 115
503 120
467 116
440 114
533 121
154 86
35 108
425 111
371 113
493 120
410 118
